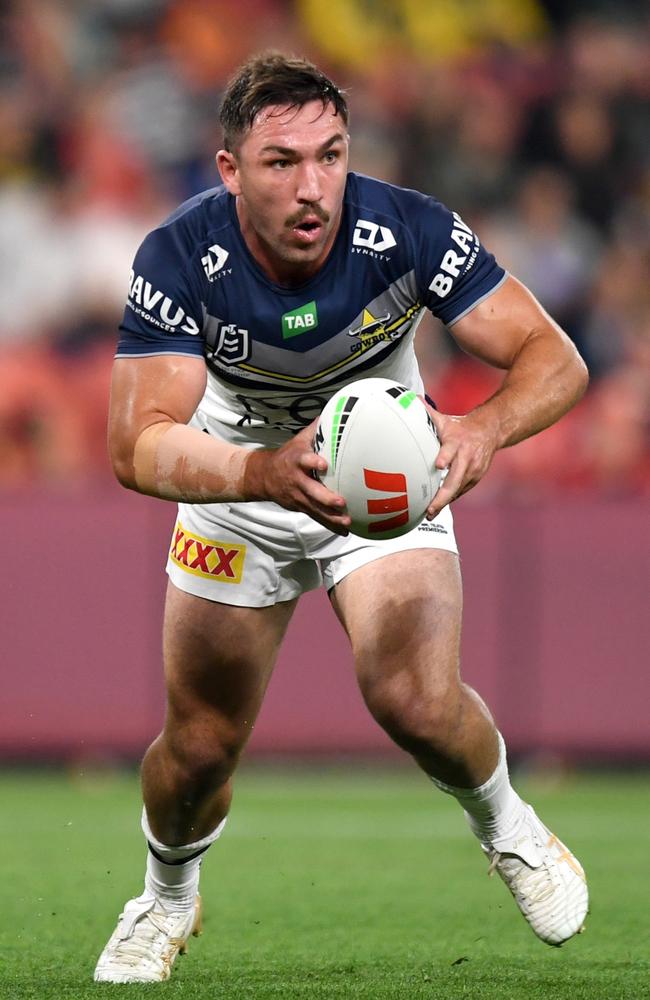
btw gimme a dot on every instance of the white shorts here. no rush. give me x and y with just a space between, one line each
257 554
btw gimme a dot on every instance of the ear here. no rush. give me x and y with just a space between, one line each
229 171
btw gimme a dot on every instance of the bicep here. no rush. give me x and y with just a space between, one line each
146 391
498 327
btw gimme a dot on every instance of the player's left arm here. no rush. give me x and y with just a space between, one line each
545 377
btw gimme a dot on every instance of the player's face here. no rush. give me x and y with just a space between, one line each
289 175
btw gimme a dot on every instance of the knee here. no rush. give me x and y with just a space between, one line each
205 751
417 713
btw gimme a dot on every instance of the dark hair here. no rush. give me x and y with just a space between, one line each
272 78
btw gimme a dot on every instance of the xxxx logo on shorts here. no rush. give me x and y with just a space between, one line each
214 560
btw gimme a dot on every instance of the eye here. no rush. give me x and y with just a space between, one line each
331 156
280 164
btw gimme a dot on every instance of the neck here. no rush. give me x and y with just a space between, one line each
281 271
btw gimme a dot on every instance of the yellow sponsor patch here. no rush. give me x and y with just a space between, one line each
214 560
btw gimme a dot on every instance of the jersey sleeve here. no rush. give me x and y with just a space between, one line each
455 272
164 313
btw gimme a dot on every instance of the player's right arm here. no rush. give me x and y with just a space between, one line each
153 451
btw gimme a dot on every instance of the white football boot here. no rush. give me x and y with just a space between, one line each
146 941
546 880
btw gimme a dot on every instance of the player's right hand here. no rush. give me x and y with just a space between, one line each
286 475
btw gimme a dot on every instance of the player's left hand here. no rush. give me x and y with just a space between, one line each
467 445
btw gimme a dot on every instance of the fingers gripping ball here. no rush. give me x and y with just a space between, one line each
381 447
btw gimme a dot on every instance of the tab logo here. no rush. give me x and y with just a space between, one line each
299 320
214 261
373 236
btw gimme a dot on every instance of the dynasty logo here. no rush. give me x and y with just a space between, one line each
214 262
371 239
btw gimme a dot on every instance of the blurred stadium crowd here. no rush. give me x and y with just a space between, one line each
529 118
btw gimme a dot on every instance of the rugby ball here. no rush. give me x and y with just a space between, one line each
381 446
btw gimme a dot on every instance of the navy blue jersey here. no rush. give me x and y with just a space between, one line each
276 354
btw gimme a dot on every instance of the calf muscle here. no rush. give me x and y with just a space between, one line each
218 661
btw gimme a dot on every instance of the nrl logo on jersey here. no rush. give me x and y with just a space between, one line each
214 262
228 343
371 239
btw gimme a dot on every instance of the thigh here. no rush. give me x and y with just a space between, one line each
338 557
403 616
218 660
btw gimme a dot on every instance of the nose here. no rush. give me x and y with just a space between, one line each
308 183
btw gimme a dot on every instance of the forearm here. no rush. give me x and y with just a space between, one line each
176 462
546 379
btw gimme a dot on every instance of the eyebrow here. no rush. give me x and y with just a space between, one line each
287 151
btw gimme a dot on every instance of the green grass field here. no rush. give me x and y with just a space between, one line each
344 883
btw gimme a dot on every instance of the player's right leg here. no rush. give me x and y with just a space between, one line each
218 660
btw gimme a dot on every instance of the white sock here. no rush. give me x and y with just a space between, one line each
494 809
172 873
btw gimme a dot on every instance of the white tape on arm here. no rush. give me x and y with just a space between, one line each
177 462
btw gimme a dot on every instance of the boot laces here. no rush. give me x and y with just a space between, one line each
529 885
143 935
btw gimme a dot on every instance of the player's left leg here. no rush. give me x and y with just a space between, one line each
403 615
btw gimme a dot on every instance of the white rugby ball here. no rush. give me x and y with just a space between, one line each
381 448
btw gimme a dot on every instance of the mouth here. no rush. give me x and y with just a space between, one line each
308 229
308 225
